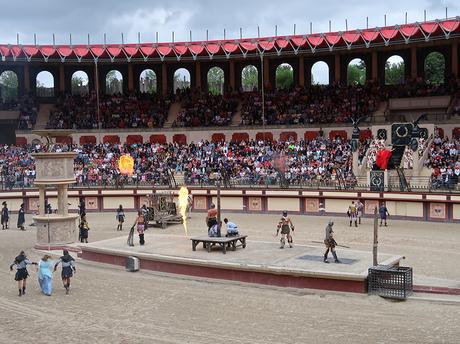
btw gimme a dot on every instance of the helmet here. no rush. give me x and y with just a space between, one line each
331 223
285 213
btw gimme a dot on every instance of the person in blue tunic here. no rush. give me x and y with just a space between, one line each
21 217
20 263
45 275
68 269
5 216
383 212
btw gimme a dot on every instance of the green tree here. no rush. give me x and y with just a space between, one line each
79 85
284 76
8 85
394 73
249 78
181 80
356 73
216 80
435 68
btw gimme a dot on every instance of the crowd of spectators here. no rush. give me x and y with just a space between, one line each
417 87
205 109
253 162
133 110
313 104
444 159
28 110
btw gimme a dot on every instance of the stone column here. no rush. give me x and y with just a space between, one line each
355 163
130 77
337 68
164 79
198 75
267 73
41 200
61 78
454 58
301 71
232 74
26 78
63 207
413 62
375 66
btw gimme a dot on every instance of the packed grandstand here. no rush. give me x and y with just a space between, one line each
227 94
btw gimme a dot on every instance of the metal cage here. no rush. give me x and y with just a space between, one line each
395 282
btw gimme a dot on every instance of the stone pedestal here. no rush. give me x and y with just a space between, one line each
56 170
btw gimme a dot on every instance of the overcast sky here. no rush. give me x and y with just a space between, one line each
113 17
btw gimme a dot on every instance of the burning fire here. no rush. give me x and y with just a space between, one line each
183 204
126 164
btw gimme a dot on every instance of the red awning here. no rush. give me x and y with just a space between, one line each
196 49
332 38
429 27
30 50
450 25
299 41
180 49
389 32
248 46
282 43
81 51
315 40
114 51
266 45
148 51
47 50
212 48
65 51
408 30
164 50
230 47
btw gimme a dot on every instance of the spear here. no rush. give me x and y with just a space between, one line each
321 242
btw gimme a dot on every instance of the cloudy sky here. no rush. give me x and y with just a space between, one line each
113 17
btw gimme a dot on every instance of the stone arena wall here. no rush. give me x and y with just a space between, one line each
410 206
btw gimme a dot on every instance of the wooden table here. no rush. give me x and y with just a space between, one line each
224 242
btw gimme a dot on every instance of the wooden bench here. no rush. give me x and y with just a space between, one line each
224 242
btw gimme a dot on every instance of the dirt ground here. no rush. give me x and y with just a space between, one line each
109 305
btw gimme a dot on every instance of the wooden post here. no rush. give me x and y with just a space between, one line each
376 228
218 201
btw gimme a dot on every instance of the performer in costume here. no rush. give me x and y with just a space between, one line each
330 243
82 207
286 226
211 218
120 218
360 209
45 275
68 269
20 263
21 217
353 214
383 212
84 228
5 217
140 222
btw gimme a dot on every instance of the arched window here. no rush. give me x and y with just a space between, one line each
148 81
394 70
181 79
44 84
249 78
216 80
320 73
8 86
80 83
435 66
356 72
284 76
113 82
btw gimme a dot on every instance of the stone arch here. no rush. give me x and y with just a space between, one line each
356 72
79 83
434 68
394 70
148 81
284 76
44 84
249 78
181 79
320 73
9 85
113 82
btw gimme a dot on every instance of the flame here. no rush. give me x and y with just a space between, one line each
183 203
126 164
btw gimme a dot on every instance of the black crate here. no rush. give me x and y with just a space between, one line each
390 281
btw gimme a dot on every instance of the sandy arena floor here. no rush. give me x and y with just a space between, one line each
109 305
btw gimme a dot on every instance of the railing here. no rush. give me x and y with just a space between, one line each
417 184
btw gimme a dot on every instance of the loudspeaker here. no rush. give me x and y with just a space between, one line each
377 181
132 264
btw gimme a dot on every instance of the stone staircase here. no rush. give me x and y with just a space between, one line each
236 119
43 115
174 110
379 114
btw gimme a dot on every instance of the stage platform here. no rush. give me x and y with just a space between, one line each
260 262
